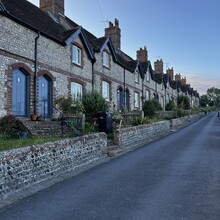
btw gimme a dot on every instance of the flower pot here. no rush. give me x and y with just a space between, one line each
33 117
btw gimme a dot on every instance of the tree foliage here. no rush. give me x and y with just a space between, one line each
183 102
93 103
150 107
204 100
170 106
213 95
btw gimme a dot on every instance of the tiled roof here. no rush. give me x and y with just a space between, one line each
30 15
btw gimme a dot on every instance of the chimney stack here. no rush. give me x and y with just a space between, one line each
114 32
142 55
178 77
170 73
158 66
183 81
55 7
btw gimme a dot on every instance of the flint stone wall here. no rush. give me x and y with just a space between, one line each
133 137
27 170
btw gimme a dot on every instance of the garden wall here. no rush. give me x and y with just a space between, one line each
133 137
27 170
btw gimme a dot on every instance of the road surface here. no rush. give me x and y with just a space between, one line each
177 177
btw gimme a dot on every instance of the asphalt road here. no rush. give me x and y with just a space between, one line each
177 177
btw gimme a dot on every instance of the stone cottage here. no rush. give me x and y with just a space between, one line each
45 55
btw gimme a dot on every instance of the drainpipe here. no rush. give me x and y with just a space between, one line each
35 72
124 92
93 76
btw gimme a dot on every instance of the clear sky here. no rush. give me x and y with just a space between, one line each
184 33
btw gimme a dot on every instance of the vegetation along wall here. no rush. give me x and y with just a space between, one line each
28 170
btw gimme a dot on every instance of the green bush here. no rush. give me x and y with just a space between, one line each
183 102
93 103
10 126
65 105
171 106
150 108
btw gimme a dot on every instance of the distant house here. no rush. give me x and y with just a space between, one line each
45 55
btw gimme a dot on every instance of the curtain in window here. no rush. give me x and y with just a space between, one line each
105 90
76 90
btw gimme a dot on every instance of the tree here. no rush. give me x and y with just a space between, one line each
183 102
93 103
204 100
213 95
170 106
150 107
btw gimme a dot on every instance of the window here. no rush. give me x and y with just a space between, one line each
76 55
162 101
147 95
148 75
161 86
105 59
105 90
136 76
76 91
136 100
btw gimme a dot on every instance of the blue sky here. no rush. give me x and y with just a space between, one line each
185 34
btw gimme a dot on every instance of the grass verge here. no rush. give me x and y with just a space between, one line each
13 143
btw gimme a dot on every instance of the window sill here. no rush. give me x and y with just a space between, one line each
77 64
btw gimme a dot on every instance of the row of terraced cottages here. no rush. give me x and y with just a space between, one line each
45 55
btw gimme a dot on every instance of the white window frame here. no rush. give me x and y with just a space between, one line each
76 55
136 76
136 100
106 90
76 91
147 95
105 59
147 75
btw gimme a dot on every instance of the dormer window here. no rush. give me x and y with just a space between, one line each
76 55
105 59
136 76
147 75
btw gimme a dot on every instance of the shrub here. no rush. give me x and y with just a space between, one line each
183 102
10 126
150 107
171 106
65 105
93 103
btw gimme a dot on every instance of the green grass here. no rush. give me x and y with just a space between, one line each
12 143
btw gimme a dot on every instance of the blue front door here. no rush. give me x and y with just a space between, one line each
19 93
44 97
120 98
127 100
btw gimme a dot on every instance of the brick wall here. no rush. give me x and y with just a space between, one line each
27 170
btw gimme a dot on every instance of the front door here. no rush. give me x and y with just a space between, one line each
19 93
44 97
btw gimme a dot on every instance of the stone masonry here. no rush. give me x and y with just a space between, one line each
27 170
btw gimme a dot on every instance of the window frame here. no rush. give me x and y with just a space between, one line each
106 85
76 55
147 94
136 76
136 100
148 75
78 85
105 59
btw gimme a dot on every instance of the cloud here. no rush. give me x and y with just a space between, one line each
202 82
